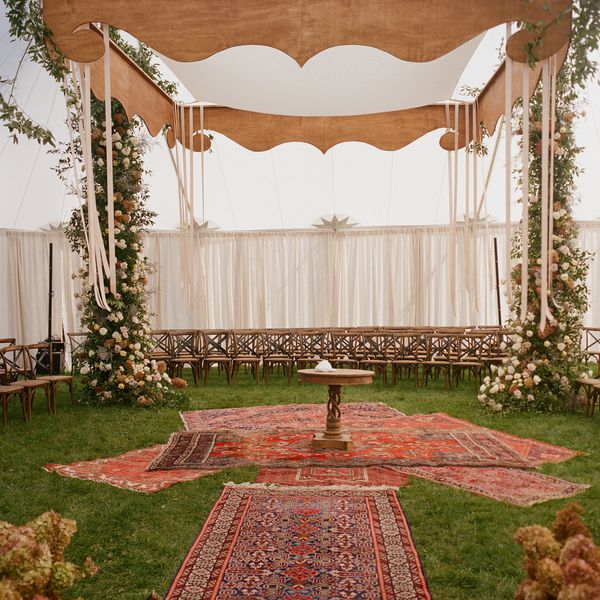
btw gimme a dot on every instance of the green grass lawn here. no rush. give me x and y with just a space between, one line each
138 540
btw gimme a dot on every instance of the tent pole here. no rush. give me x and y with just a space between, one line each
50 295
497 281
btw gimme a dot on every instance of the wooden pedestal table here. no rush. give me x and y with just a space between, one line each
333 437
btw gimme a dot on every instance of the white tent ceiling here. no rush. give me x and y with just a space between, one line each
346 80
288 187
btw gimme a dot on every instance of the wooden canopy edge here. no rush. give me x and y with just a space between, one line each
260 132
137 93
303 29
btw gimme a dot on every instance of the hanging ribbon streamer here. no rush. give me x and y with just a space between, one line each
525 197
546 258
508 166
110 203
552 67
474 272
97 259
451 220
69 87
467 231
202 160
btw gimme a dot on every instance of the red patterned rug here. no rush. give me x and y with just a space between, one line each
224 449
356 415
128 471
522 488
366 476
302 543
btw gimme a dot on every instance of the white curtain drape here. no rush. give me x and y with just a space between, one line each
391 276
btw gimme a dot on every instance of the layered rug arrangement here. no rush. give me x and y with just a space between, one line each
323 523
298 543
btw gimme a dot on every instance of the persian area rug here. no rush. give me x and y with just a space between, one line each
356 415
128 471
223 449
301 543
365 476
360 416
522 488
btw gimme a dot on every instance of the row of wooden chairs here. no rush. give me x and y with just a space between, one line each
22 374
420 353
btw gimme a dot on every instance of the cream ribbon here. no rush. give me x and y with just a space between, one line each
110 200
525 197
508 166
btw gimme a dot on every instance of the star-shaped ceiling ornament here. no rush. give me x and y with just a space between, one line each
204 226
334 222
55 227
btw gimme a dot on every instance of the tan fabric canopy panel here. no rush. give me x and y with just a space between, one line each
412 30
259 132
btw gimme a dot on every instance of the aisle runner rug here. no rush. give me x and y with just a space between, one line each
522 488
128 471
356 415
366 476
223 449
302 543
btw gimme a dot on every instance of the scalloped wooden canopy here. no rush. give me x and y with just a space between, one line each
258 132
416 30
413 30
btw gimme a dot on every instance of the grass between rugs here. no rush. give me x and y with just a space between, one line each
138 541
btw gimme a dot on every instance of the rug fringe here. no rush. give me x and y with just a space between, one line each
278 486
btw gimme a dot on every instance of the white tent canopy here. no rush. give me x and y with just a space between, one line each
346 80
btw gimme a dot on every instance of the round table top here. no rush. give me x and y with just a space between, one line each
336 377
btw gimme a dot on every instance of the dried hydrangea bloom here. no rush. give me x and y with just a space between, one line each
581 546
550 575
568 523
55 531
538 542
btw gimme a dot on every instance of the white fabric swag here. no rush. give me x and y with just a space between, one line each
395 276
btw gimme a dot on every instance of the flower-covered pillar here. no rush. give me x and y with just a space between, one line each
542 363
114 361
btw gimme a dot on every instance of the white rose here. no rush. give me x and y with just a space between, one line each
536 379
564 276
561 346
529 333
103 331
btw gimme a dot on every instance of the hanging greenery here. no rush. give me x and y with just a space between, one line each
114 362
541 366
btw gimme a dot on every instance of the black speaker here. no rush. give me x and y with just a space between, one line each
42 359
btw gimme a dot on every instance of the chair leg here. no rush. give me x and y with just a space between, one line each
206 367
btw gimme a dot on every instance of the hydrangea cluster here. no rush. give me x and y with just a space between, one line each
32 564
561 563
114 359
540 366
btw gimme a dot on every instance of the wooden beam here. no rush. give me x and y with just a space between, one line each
413 30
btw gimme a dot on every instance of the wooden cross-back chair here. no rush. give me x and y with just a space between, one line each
404 354
278 352
18 372
247 351
375 352
345 349
160 348
40 358
309 348
467 353
76 342
217 351
186 348
591 341
440 354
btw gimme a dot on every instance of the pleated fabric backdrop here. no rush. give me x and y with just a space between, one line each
363 277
